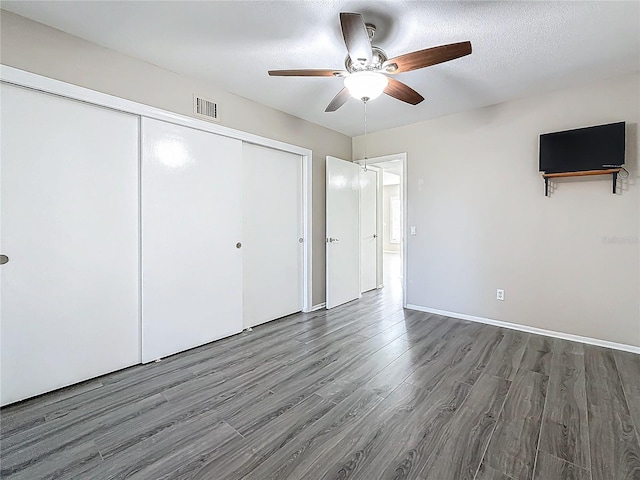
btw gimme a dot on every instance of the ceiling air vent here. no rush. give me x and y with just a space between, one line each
205 108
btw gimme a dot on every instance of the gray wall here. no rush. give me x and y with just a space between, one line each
43 50
567 263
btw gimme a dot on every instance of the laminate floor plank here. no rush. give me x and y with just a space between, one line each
400 317
59 438
458 449
410 441
538 354
365 391
565 427
477 354
549 467
506 357
160 456
462 358
166 416
217 388
393 375
111 395
350 379
615 452
73 462
324 371
282 352
567 346
366 448
629 369
292 458
13 417
488 473
281 431
512 450
346 319
436 341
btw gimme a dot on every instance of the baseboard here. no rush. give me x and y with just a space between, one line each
528 329
320 306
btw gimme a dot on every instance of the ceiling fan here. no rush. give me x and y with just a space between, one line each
367 66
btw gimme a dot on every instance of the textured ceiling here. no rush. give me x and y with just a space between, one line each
519 48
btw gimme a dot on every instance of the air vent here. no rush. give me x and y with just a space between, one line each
205 108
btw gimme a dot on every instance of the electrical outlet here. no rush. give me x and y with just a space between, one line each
500 294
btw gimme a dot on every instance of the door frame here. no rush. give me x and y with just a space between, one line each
404 251
21 78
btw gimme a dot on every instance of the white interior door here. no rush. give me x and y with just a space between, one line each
191 223
368 229
272 228
69 293
343 231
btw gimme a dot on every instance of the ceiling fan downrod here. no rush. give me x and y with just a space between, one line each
365 100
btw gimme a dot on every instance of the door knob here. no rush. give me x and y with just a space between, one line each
238 245
3 259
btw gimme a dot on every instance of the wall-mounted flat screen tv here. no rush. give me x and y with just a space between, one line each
590 148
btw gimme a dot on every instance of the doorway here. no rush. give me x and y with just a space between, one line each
391 208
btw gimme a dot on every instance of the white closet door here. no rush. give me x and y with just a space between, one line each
368 229
69 292
272 227
191 222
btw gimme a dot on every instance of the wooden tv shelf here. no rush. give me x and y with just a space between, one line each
582 173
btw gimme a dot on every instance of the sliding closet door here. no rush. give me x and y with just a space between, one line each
69 291
191 234
272 229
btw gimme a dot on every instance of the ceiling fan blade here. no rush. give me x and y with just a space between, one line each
427 57
339 100
403 92
356 38
311 72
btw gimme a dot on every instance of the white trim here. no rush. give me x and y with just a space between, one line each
528 329
56 87
320 306
307 212
140 277
33 81
404 251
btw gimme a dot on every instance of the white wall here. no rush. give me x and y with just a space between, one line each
568 263
43 50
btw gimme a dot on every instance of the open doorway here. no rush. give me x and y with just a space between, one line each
391 208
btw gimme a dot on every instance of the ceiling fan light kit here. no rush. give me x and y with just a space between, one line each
367 66
366 86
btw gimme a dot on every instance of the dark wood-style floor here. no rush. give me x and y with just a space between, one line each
365 391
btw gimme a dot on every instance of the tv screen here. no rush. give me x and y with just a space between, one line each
590 148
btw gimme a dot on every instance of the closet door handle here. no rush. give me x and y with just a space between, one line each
238 245
4 259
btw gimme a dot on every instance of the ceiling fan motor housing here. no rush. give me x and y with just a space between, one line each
378 58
